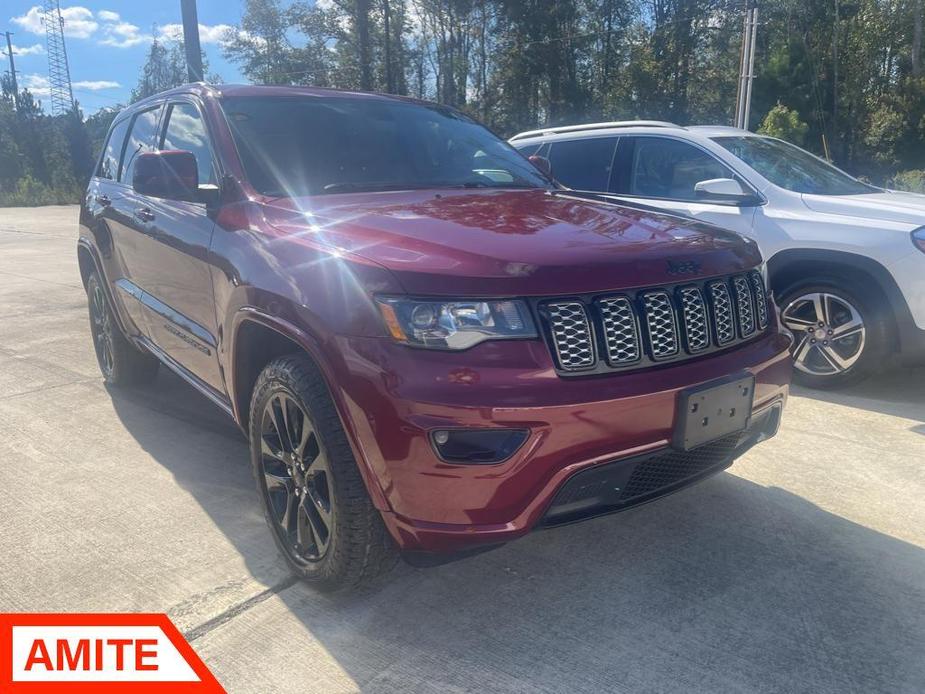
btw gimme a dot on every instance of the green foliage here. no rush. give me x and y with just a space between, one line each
45 160
164 68
785 124
843 79
912 181
28 192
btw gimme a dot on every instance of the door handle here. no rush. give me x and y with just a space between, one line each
103 200
144 214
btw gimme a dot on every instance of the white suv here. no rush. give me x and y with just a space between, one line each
845 259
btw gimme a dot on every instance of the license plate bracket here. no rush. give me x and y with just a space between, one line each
713 410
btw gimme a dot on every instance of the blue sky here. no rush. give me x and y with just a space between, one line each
107 41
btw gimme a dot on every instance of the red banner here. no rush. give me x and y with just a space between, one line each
71 652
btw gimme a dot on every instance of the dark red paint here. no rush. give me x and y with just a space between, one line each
308 268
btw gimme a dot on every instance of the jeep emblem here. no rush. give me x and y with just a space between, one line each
683 267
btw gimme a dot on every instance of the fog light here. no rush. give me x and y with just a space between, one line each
477 446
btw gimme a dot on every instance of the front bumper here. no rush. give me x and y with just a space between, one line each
575 425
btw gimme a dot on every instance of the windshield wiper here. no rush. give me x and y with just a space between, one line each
613 199
350 187
485 184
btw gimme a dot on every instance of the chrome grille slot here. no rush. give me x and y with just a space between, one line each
761 299
722 312
744 307
571 335
595 334
661 324
621 334
694 319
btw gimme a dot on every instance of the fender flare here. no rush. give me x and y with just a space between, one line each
84 246
309 343
895 305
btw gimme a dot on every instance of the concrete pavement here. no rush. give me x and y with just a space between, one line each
802 568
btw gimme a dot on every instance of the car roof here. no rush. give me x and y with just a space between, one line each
588 127
717 130
636 126
203 89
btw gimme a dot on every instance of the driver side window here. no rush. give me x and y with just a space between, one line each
186 131
661 167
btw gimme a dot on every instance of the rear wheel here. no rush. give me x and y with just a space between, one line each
839 337
121 363
311 491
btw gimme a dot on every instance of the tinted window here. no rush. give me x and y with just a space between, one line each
109 165
658 167
792 168
294 146
140 139
583 164
185 130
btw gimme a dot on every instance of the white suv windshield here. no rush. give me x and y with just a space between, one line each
792 168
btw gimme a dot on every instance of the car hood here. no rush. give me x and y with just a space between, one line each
888 206
514 243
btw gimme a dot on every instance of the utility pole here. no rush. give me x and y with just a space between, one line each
746 68
191 41
9 48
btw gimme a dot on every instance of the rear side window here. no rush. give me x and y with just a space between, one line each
140 139
660 167
186 131
112 154
528 150
583 164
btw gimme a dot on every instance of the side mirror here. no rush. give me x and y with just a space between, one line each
724 190
171 174
542 163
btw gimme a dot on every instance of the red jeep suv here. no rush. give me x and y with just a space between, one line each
432 347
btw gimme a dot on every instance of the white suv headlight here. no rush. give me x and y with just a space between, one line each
455 325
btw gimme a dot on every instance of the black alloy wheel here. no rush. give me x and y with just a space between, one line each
101 328
120 361
296 480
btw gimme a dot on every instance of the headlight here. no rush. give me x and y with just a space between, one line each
918 238
455 324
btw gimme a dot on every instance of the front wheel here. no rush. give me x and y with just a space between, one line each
839 337
313 497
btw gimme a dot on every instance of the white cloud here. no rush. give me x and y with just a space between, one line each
110 29
40 87
95 85
34 49
37 84
217 33
78 21
123 35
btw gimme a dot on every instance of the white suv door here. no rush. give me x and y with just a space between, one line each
662 171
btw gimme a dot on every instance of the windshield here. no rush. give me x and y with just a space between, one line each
791 167
293 146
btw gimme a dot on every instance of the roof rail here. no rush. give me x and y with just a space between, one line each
594 126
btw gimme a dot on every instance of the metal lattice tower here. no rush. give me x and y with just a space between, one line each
59 74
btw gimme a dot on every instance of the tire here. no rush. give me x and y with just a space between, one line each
840 336
310 488
121 363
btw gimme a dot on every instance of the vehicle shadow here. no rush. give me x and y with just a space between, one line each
899 392
727 586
